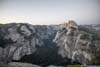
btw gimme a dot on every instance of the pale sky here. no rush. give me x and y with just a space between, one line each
49 11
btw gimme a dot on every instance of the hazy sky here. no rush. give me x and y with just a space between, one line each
50 11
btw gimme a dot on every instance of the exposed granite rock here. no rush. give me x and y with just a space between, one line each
18 64
48 45
82 47
20 40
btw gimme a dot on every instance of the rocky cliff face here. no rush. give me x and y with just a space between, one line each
18 40
83 46
49 45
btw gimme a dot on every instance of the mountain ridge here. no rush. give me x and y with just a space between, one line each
36 44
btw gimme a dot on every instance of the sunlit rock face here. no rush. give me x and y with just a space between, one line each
49 44
82 46
71 27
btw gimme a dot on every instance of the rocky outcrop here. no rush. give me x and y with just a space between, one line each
28 43
81 47
71 27
22 35
18 64
49 44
